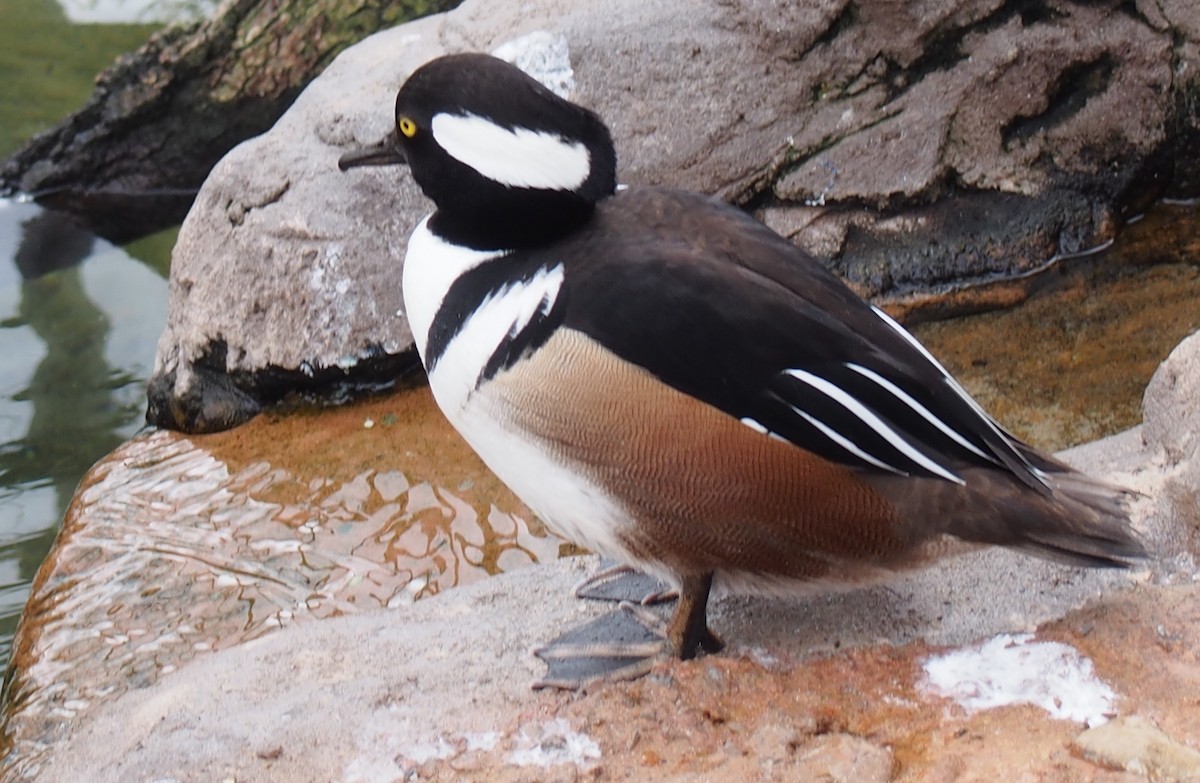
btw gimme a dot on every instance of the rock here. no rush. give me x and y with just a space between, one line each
827 684
277 284
1172 434
438 690
1172 417
844 758
856 129
1137 745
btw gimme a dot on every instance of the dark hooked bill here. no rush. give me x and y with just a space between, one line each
385 153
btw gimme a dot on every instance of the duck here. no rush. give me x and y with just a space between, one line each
666 381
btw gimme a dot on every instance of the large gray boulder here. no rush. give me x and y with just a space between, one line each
439 689
913 147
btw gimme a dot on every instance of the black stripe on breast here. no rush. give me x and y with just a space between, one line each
477 286
519 344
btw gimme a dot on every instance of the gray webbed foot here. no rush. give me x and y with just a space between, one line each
616 582
620 645
625 644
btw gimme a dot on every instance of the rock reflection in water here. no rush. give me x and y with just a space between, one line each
78 323
170 550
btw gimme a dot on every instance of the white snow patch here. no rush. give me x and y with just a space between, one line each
1014 669
558 744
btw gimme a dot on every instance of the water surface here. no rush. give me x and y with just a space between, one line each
79 319
1070 364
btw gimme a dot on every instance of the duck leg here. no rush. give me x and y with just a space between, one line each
688 631
625 644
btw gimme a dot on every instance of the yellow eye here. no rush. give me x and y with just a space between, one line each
407 127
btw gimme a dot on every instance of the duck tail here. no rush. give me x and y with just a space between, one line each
1080 521
1092 525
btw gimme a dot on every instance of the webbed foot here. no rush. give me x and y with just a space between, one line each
616 582
616 646
626 643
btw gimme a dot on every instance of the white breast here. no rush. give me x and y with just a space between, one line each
573 505
431 266
562 496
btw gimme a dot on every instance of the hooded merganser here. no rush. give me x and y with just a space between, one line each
666 381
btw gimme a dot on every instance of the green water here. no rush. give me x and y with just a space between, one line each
48 65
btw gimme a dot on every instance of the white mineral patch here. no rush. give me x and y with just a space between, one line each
427 751
557 744
545 57
1014 669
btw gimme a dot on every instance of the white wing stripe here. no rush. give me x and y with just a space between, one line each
758 427
754 424
958 389
900 330
918 408
846 443
869 418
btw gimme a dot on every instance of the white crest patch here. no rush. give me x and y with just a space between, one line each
431 266
519 158
503 314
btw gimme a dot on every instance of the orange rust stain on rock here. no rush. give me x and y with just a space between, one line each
406 431
730 719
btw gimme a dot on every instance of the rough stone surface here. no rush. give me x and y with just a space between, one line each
1137 745
439 691
1170 402
828 686
913 146
1172 435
